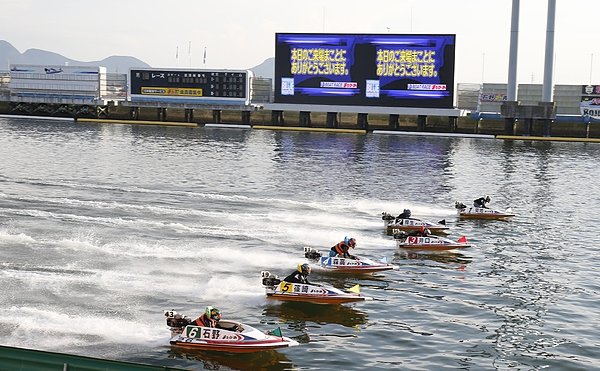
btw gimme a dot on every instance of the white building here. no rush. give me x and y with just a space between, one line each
57 84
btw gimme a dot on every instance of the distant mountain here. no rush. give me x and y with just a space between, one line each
10 55
265 69
118 64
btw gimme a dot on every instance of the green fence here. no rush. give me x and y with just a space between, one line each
19 359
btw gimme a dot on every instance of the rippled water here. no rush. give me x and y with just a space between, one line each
104 227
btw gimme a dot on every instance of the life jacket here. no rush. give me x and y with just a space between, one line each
341 248
205 321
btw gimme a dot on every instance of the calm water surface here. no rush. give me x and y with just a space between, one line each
104 227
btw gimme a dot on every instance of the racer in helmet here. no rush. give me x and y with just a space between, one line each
482 201
342 248
404 215
421 232
210 317
300 275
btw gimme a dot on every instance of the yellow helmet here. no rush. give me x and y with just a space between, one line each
304 268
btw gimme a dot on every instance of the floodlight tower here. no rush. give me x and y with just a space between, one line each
544 111
510 107
547 105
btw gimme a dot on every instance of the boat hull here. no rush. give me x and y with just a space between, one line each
438 247
483 213
395 229
318 299
232 348
498 216
312 293
352 266
431 243
360 270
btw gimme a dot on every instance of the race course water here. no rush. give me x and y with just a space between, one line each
103 227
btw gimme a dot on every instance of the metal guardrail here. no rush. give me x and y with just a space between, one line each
36 360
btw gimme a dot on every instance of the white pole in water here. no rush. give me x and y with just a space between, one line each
511 91
549 65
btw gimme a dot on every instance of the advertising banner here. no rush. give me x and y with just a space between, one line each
365 69
590 101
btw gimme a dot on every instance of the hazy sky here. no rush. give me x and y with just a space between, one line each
239 34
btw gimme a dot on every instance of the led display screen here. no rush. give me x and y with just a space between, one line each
365 69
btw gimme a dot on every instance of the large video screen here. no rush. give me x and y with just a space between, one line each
365 70
189 86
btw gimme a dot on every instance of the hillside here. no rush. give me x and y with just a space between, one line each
10 55
116 63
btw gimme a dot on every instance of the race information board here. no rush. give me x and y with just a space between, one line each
189 85
590 101
365 69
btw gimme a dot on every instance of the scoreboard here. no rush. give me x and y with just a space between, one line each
190 86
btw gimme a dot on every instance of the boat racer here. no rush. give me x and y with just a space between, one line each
404 215
210 318
423 232
300 275
482 201
342 248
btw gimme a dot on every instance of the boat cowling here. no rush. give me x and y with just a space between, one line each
313 254
178 322
387 216
268 279
400 235
460 205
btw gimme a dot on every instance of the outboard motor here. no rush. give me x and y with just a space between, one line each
387 217
269 280
176 322
401 235
313 255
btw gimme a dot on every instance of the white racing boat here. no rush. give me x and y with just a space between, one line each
394 225
465 212
430 242
344 265
228 336
314 293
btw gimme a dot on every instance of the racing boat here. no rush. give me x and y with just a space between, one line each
344 265
465 212
229 336
314 293
429 242
394 225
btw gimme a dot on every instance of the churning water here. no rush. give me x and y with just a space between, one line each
103 227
